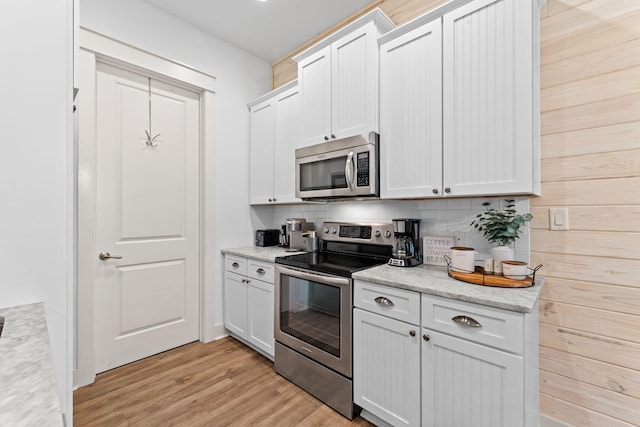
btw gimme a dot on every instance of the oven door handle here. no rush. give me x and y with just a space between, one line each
314 277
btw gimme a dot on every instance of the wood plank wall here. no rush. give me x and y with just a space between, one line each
590 125
590 149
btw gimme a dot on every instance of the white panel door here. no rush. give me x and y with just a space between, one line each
386 368
488 98
411 114
261 158
147 301
314 79
354 83
465 384
287 139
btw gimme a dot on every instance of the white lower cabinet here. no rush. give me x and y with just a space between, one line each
249 302
468 384
386 354
479 365
467 365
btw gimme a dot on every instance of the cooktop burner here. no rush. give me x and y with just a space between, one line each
338 264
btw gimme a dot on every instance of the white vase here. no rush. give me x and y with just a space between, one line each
499 254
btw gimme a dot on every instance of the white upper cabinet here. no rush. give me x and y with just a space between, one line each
459 112
411 113
275 133
491 90
287 139
339 81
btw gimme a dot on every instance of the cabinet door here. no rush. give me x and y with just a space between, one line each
235 304
354 83
260 306
261 153
468 384
287 138
314 79
386 368
411 114
488 98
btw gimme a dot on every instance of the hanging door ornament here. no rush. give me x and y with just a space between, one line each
151 141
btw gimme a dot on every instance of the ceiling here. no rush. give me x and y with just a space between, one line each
267 29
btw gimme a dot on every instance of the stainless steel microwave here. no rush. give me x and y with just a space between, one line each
342 168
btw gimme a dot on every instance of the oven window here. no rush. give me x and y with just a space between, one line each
323 174
310 311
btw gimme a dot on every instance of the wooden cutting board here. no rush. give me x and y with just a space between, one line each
479 277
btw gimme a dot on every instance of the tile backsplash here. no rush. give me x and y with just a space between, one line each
442 217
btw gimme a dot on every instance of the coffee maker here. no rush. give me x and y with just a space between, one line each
407 250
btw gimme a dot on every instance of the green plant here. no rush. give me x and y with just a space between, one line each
501 226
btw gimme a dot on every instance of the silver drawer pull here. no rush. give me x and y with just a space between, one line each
384 301
467 321
235 265
260 271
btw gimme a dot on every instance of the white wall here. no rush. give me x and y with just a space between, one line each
36 258
240 77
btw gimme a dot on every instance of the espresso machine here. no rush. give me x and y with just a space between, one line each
406 250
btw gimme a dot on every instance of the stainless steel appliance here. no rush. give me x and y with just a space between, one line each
296 229
406 246
342 168
313 313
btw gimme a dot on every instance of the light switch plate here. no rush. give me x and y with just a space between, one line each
558 218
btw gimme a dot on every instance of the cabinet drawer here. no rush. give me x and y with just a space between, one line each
235 264
260 270
490 326
388 301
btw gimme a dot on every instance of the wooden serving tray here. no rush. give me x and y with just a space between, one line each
480 277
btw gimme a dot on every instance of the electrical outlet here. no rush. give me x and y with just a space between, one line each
458 237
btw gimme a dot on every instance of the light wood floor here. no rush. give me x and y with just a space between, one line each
223 383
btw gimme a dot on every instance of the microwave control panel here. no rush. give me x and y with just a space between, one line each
363 169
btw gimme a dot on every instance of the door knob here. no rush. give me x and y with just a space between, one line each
106 255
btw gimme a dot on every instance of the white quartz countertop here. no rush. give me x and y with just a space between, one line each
28 390
267 253
425 279
434 280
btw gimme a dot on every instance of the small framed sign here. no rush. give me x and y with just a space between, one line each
434 248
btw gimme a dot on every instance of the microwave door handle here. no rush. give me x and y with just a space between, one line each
348 170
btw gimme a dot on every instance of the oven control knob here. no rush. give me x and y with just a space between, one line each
334 231
377 233
387 234
326 229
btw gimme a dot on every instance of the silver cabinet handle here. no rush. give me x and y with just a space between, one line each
348 170
260 271
467 321
426 337
384 301
412 333
106 255
235 265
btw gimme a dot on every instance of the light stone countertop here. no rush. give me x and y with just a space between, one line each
266 254
426 279
434 280
28 389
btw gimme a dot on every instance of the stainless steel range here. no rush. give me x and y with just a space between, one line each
314 302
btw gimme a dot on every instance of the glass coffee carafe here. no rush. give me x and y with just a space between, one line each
406 247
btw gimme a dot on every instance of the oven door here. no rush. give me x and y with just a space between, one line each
313 316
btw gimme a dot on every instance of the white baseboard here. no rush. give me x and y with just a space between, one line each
217 332
547 421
